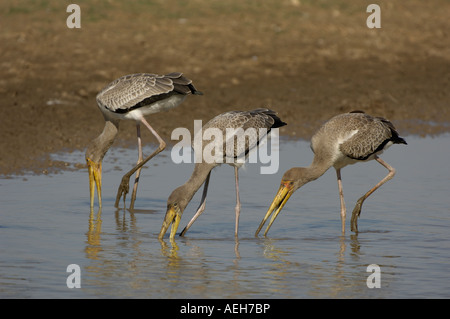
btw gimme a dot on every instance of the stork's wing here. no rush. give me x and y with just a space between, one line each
129 90
372 135
243 126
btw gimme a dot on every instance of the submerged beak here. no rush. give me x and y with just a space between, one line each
284 192
173 216
95 178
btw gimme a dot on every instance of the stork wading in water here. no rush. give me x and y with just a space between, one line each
132 97
343 140
262 120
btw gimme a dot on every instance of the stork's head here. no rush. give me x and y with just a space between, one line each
176 204
94 157
292 180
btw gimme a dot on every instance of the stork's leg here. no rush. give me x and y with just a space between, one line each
200 208
238 202
357 210
138 172
124 185
341 196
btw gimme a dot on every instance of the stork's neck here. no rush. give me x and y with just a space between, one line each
318 167
199 175
100 145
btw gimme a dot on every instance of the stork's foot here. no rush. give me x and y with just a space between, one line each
123 190
355 215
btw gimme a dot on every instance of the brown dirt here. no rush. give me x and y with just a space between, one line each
308 60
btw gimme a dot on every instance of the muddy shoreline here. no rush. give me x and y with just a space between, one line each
308 61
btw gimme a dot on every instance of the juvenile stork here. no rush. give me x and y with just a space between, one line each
343 140
132 97
261 120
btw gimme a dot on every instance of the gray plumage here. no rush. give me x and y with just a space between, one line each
252 125
343 140
138 90
264 119
359 136
131 97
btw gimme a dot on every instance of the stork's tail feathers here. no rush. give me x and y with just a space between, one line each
182 84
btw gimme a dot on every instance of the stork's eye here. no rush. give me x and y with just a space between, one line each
287 183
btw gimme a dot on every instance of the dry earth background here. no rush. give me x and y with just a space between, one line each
306 59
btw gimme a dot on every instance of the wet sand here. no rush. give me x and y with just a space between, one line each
308 60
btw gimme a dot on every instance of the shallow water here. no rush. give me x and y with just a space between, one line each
46 225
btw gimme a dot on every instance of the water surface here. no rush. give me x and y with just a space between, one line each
46 225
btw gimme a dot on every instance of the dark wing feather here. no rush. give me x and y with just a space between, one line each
373 133
182 84
137 90
255 119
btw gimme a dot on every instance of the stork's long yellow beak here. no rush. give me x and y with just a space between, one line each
95 178
173 216
284 192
